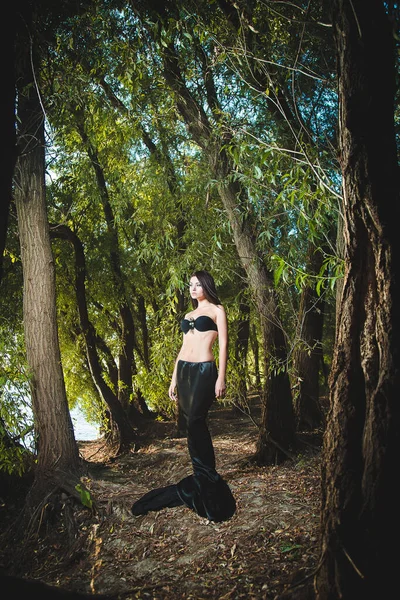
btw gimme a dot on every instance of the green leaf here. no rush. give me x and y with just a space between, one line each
318 286
85 496
257 172
278 273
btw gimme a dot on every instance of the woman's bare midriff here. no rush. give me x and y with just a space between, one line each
197 346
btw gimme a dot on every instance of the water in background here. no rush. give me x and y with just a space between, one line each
84 431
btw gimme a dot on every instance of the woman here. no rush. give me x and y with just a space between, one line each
195 383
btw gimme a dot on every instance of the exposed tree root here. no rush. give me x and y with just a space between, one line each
50 506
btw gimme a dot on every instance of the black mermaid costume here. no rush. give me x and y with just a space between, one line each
204 491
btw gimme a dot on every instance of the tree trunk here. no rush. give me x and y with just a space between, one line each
122 432
242 18
308 356
360 516
8 130
57 448
277 428
277 433
241 349
126 359
256 355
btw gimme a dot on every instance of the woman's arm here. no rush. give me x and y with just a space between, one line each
222 325
172 387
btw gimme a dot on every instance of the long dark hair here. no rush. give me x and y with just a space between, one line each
208 284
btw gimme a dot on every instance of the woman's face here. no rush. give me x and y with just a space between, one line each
196 289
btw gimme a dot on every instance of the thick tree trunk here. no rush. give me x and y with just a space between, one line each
277 429
360 516
57 449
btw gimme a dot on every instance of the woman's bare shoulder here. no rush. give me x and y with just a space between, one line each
219 312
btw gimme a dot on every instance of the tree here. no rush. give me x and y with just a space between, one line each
360 517
210 118
155 186
58 457
209 131
308 355
292 97
58 466
122 432
8 128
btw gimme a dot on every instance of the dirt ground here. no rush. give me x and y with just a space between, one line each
270 543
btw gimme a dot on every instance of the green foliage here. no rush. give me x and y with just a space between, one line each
154 383
85 496
16 424
291 549
331 271
105 93
12 459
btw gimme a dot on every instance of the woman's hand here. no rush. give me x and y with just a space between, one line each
220 388
172 392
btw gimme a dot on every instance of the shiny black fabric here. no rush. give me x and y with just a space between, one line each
209 498
202 323
205 491
165 497
196 393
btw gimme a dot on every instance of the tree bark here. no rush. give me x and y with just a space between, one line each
293 134
360 516
256 355
57 448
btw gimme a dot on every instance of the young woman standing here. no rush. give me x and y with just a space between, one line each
196 382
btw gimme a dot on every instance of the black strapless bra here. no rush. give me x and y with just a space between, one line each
202 323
